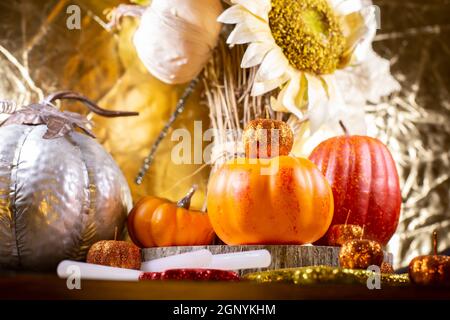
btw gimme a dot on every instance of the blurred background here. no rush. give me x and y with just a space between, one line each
39 55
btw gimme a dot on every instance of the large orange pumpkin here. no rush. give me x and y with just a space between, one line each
157 222
292 205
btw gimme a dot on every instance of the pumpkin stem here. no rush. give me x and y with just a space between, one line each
348 215
435 242
186 201
344 128
93 107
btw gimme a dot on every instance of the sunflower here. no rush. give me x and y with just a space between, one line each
298 45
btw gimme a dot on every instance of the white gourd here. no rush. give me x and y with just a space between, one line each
176 38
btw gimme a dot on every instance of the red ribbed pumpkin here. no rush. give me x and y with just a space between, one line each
365 184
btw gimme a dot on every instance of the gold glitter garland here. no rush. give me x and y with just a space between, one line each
325 275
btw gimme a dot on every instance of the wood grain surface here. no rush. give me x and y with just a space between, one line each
283 256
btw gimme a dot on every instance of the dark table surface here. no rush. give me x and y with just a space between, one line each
39 286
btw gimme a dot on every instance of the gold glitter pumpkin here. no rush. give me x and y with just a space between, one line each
339 234
266 138
360 254
432 270
112 253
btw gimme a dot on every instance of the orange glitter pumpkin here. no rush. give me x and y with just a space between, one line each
430 270
156 222
281 200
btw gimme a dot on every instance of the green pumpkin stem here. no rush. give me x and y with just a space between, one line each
186 201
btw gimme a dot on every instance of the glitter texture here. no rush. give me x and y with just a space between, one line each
191 274
360 254
430 270
257 138
120 254
324 275
341 233
386 268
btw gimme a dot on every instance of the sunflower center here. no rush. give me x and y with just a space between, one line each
309 34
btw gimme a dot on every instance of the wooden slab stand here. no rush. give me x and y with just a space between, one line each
283 256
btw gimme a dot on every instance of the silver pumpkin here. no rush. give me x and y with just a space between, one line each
58 195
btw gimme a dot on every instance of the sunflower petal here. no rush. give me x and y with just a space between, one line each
323 107
259 8
329 82
318 102
334 3
277 105
293 95
259 88
255 54
316 90
365 44
344 7
354 30
273 66
359 29
233 15
319 115
250 30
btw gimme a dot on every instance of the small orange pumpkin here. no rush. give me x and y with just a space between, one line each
293 204
157 222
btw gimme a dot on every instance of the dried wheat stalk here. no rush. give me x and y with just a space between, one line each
227 94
